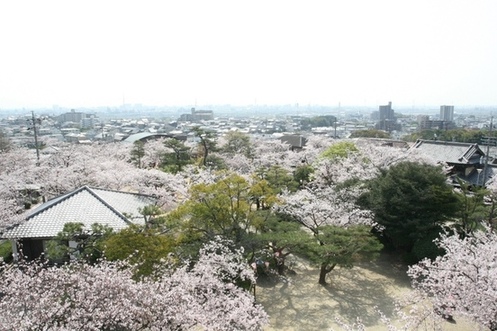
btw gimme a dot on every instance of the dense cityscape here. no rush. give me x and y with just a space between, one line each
86 126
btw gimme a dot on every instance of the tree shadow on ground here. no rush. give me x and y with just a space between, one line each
301 303
391 265
359 293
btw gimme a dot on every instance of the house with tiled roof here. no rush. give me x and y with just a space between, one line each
85 205
466 160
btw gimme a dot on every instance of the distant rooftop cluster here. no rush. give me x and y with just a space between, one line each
87 127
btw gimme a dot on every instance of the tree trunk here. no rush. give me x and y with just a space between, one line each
325 269
206 152
280 266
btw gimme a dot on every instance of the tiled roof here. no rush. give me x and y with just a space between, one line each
294 140
450 152
85 205
144 135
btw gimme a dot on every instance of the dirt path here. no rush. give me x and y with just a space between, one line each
303 305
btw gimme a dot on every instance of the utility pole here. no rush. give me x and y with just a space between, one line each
336 127
489 141
36 138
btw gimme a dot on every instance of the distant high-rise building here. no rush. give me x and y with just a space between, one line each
447 113
76 118
387 119
386 112
425 123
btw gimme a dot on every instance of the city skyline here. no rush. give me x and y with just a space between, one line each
359 53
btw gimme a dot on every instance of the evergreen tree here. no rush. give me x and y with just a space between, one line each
409 201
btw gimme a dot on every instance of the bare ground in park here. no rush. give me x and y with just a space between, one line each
302 304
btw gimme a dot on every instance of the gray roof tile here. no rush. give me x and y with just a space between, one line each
450 152
86 205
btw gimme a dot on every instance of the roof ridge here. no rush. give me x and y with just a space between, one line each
444 142
56 201
102 200
124 192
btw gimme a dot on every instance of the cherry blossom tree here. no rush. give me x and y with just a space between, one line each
271 152
8 215
333 171
106 297
154 150
382 156
363 160
17 181
326 207
68 167
331 216
464 280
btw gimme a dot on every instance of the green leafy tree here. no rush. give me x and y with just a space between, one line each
232 208
88 243
145 248
5 251
150 214
238 143
262 194
340 150
302 174
179 157
207 144
277 238
278 178
219 209
473 211
318 121
341 246
409 200
138 152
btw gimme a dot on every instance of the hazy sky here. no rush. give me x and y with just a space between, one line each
356 52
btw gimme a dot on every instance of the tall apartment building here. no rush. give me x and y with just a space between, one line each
447 113
387 119
73 116
425 123
386 112
79 119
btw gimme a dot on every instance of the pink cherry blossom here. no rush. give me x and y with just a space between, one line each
106 297
464 280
